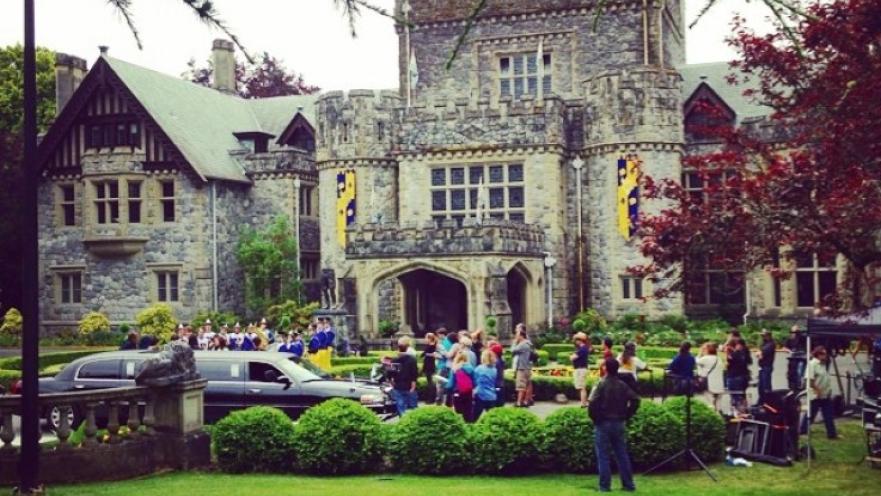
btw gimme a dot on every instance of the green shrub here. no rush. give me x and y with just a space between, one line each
93 322
12 324
259 439
338 361
594 322
569 441
654 434
506 440
157 320
429 440
298 315
338 436
707 428
345 371
388 328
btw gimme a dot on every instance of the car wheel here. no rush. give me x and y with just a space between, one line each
53 418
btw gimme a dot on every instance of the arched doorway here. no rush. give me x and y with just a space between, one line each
518 281
432 300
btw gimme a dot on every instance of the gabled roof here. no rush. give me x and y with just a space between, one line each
298 122
201 122
714 75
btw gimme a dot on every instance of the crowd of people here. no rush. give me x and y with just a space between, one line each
317 342
463 371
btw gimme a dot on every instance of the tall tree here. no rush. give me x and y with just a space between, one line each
11 151
266 78
269 261
813 189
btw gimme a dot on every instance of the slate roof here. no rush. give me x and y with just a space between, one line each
201 121
715 74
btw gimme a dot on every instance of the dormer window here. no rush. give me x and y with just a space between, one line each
254 141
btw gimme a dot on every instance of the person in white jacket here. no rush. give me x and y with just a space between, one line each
711 369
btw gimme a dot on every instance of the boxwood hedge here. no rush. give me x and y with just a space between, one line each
338 436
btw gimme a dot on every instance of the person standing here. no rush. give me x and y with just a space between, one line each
477 342
739 361
499 353
296 346
630 365
329 343
485 396
821 386
429 365
797 347
579 365
765 354
681 368
612 403
607 354
521 352
460 386
131 341
404 378
710 370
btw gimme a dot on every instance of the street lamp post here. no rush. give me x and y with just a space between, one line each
28 469
298 189
550 261
578 165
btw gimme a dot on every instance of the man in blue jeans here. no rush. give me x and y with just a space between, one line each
821 400
766 365
404 378
612 402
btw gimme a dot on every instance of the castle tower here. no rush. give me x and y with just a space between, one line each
633 128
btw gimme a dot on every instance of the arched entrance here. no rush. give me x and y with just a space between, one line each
432 300
518 282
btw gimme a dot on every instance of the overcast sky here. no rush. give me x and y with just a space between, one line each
310 36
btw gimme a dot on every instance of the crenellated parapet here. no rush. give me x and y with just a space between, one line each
637 104
355 124
471 238
479 122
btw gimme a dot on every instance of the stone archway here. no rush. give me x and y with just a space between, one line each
432 300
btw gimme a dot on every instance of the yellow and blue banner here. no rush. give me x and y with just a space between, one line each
628 195
345 203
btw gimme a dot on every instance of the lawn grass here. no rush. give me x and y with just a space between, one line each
836 472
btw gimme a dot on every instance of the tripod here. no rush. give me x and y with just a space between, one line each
687 452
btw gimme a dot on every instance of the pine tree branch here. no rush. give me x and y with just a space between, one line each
123 8
469 23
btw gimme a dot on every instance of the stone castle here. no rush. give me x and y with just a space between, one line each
506 185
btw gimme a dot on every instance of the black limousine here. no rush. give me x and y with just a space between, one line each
236 380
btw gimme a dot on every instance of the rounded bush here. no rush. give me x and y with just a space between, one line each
338 436
506 440
569 441
429 440
707 428
259 439
654 434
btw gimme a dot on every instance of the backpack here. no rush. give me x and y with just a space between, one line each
464 383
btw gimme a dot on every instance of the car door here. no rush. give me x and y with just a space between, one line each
261 389
225 391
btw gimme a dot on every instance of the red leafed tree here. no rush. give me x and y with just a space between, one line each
814 187
265 78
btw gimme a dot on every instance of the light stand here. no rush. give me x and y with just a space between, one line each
687 452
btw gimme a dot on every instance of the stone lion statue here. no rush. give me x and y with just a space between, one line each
176 363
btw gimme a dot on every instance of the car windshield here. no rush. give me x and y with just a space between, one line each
300 371
310 367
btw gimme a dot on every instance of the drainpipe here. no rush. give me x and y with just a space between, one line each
645 32
746 299
578 164
297 187
550 261
214 245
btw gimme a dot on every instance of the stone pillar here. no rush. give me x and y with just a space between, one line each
179 407
497 302
69 73
223 61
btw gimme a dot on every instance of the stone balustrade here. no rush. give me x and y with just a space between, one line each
491 236
164 431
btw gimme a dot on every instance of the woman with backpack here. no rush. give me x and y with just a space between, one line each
710 377
485 395
460 385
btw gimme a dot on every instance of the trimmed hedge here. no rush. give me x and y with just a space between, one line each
559 352
338 437
506 440
429 440
10 367
259 439
707 428
569 441
654 433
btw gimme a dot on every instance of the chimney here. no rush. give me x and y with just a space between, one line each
224 61
69 73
